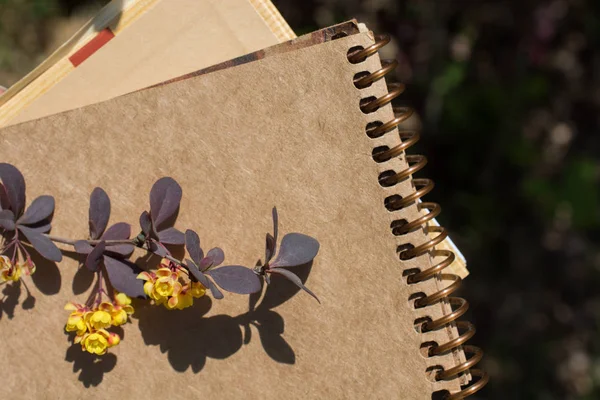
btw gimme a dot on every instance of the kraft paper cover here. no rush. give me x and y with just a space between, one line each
284 131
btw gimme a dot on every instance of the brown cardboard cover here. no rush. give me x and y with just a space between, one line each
285 131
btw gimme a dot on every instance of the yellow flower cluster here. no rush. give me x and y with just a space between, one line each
170 286
91 324
10 271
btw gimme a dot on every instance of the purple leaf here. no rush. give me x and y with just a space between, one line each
269 248
146 223
197 274
41 244
216 293
294 279
4 203
42 227
171 236
192 244
99 212
254 297
157 248
83 247
214 257
7 220
123 277
165 197
236 279
14 185
296 249
92 262
41 208
275 226
118 231
123 250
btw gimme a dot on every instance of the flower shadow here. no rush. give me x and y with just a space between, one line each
186 336
10 299
189 338
91 368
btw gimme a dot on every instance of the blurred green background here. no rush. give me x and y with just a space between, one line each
509 94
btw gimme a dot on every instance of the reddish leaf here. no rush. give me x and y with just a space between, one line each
165 197
294 279
99 212
14 185
236 279
214 258
192 244
92 262
296 249
123 277
41 244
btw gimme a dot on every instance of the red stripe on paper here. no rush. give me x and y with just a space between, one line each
91 47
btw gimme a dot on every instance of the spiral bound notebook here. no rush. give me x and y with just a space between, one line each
310 131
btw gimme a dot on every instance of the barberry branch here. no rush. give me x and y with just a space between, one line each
132 242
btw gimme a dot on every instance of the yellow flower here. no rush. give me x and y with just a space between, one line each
28 267
197 290
8 270
122 299
181 299
119 317
5 263
76 323
98 342
169 286
95 342
99 319
113 339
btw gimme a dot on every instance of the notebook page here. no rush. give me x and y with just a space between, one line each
166 39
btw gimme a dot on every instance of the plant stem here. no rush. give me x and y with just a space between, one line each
91 242
111 243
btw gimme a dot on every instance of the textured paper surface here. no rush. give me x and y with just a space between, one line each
284 131
172 38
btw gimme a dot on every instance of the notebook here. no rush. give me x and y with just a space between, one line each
310 130
131 44
155 36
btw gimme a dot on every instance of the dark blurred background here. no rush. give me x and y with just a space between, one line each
509 95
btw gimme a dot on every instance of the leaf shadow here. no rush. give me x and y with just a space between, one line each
91 368
197 338
269 323
47 276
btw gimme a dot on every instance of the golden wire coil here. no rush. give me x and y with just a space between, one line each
422 186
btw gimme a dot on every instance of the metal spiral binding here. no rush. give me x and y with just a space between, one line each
422 186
